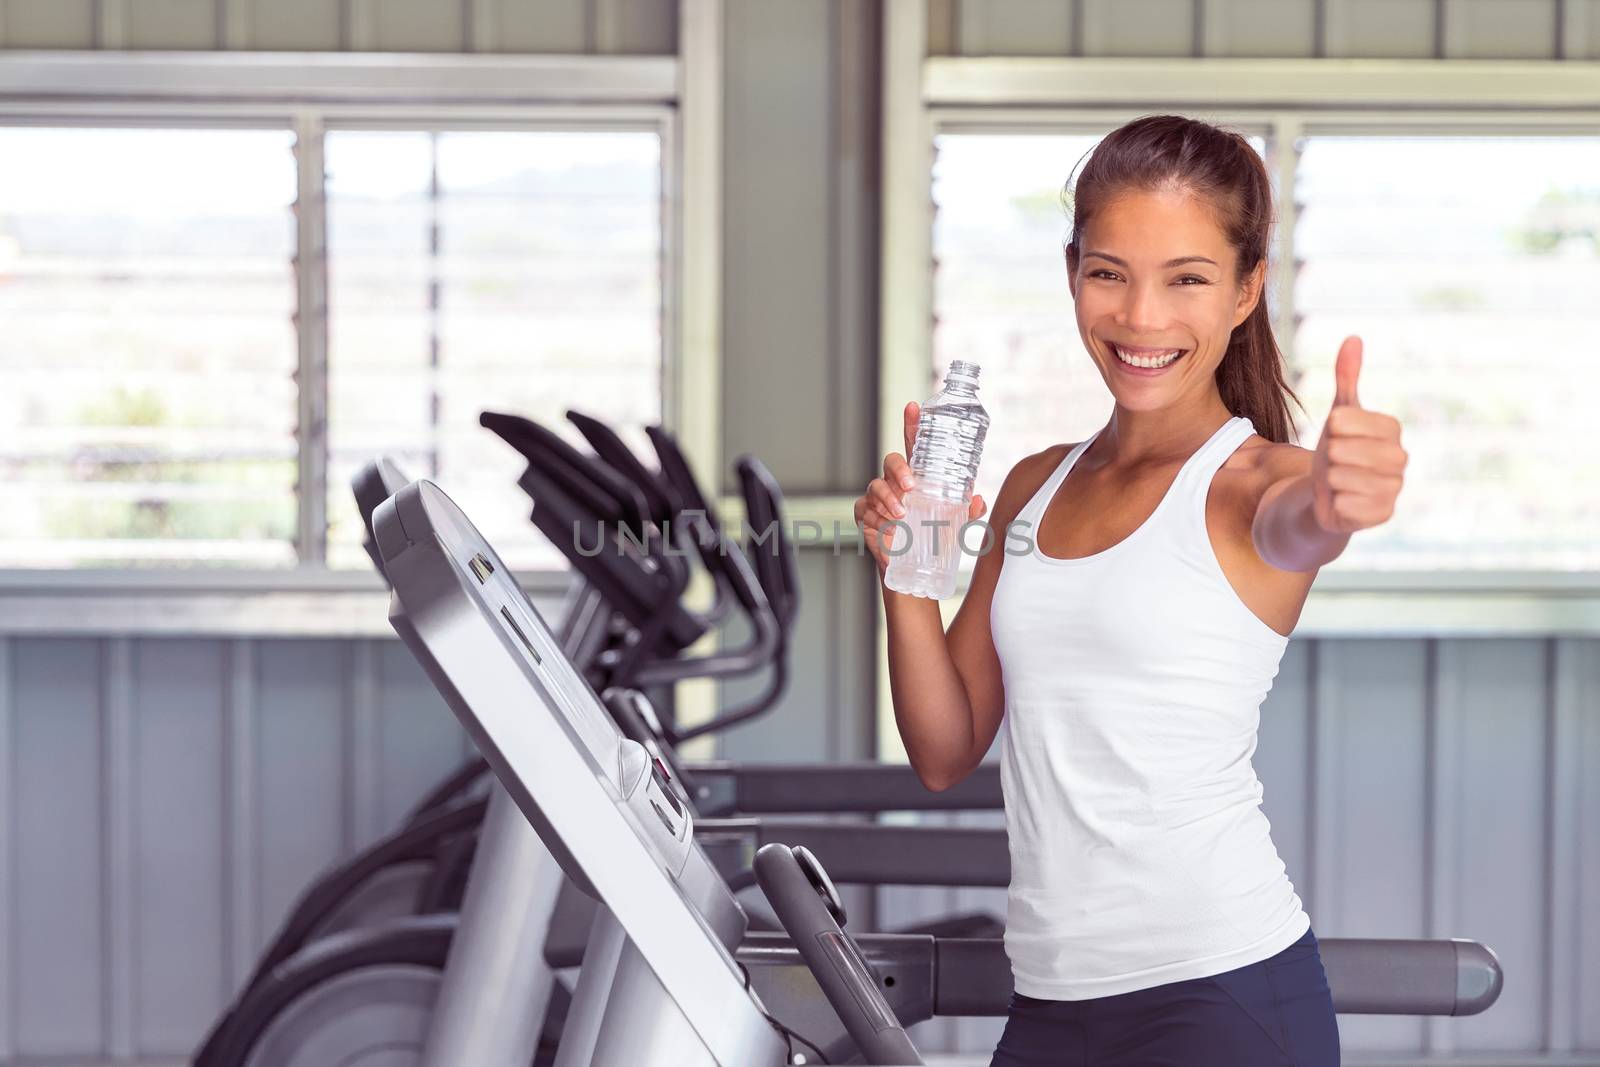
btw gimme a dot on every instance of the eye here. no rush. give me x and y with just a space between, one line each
1192 279
1103 273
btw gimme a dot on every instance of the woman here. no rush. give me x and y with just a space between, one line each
1133 623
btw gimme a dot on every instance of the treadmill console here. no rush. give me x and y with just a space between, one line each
623 765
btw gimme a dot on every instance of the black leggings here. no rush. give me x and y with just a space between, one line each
1275 1013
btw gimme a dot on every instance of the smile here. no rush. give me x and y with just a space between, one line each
1148 358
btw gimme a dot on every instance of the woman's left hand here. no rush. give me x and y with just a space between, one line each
1359 466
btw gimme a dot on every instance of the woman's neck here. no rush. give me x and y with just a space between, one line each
1136 438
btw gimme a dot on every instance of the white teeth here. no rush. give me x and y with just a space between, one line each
1148 361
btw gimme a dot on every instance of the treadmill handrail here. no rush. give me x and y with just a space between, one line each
665 501
790 788
875 854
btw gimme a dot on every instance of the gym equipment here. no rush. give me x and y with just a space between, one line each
276 1020
659 982
426 942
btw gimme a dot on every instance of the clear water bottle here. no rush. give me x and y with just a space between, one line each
944 465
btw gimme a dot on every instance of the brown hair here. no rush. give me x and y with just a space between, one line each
1219 166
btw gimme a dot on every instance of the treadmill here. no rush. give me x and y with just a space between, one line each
660 982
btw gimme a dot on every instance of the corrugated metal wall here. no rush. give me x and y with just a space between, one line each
165 801
1387 29
606 27
167 798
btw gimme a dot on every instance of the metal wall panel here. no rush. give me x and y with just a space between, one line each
800 177
419 744
1367 874
1382 29
179 845
1575 932
46 23
408 25
622 27
1500 29
1275 28
636 27
779 184
1139 27
1494 818
299 760
548 26
170 24
288 25
1422 29
1016 27
57 868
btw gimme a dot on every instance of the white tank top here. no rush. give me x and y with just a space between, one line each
1134 679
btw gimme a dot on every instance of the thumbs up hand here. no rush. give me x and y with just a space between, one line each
1359 466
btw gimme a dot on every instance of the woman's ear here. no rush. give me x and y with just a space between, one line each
1250 293
1072 269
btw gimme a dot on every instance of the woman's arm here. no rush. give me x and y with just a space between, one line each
1306 516
948 707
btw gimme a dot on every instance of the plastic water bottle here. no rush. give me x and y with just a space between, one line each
944 465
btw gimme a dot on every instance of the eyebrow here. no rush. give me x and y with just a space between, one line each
1180 261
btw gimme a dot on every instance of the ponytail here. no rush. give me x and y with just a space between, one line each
1251 379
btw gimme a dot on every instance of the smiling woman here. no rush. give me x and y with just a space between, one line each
1122 659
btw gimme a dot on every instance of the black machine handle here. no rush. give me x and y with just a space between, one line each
675 468
765 641
773 549
729 564
603 491
844 975
818 788
559 478
644 589
876 854
666 504
661 495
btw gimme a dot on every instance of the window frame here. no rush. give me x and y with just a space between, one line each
1286 100
311 95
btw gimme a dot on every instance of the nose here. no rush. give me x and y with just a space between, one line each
1141 310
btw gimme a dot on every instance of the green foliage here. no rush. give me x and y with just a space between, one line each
1558 217
1042 208
123 407
1451 298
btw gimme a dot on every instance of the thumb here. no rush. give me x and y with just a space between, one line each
1346 369
913 414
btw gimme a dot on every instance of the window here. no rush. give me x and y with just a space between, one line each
149 344
1470 266
1467 263
514 271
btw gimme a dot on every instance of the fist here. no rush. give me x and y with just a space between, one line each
1359 466
884 501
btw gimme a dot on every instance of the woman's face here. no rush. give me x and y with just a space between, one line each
1155 291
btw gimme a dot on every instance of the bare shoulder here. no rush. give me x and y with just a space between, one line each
1024 480
1259 463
